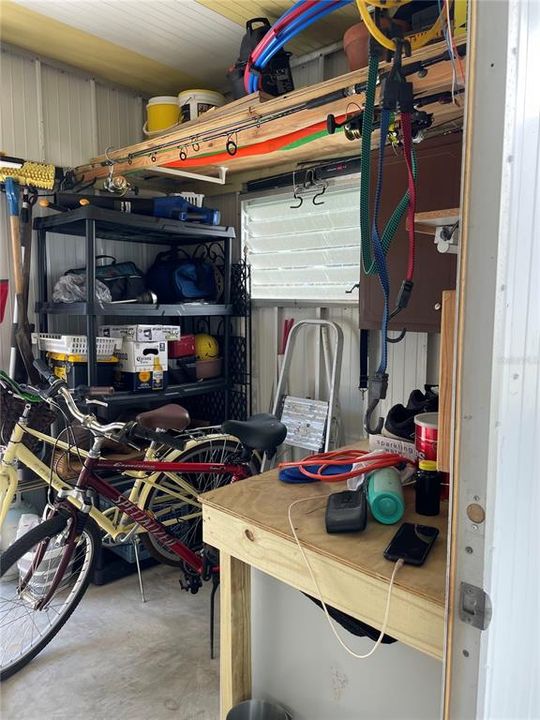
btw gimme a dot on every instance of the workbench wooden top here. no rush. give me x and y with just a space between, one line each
263 501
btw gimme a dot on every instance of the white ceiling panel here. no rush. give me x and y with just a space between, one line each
179 33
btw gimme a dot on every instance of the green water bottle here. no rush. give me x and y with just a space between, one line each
385 495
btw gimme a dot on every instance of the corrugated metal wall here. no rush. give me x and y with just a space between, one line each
407 362
321 67
53 115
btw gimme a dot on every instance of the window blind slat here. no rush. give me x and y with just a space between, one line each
309 253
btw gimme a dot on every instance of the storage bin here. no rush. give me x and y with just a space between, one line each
73 369
182 370
185 347
208 368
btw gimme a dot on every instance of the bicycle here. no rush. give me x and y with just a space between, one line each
54 561
168 496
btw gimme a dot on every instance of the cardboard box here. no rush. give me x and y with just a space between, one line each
142 366
171 332
141 333
393 445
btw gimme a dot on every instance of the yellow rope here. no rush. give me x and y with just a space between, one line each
417 40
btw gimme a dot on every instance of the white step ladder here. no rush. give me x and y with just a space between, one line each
312 423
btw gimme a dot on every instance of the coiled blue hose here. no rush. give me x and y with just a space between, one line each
297 26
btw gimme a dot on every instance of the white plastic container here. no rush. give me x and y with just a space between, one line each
74 344
10 529
194 103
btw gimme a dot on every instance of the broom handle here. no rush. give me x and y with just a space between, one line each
16 253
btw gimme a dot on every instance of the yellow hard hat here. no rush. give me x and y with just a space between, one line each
206 347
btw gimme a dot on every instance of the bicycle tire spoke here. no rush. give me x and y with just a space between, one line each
174 506
24 628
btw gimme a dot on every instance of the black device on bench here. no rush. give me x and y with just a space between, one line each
346 511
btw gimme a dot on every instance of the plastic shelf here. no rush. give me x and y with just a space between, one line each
171 393
128 227
134 309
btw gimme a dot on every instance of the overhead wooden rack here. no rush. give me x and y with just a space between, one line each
263 132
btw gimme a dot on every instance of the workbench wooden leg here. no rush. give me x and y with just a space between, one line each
235 632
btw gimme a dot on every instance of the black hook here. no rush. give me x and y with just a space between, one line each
378 385
397 339
367 419
319 194
295 190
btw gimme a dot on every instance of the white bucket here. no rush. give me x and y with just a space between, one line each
196 102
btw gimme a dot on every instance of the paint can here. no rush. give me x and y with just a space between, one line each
425 435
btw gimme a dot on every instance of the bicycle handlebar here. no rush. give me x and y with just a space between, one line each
59 387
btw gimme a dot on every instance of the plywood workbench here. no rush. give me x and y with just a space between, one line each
248 522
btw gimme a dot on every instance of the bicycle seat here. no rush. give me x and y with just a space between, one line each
259 432
166 417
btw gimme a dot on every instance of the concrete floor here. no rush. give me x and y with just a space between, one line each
119 659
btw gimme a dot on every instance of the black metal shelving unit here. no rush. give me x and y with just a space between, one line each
226 319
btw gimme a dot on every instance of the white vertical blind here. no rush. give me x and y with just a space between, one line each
306 253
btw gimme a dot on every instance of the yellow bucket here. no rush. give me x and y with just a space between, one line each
162 113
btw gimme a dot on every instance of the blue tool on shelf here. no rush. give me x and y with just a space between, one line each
176 207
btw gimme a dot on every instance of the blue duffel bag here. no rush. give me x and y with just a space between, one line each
175 279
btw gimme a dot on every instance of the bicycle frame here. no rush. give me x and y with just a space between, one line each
108 520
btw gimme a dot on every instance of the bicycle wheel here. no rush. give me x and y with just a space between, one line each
25 630
177 507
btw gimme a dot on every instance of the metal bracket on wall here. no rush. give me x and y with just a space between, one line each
447 238
474 606
220 179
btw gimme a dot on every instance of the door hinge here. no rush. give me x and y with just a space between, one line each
474 606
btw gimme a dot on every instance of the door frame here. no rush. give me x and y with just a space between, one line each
493 382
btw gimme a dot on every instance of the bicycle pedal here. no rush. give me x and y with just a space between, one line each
190 583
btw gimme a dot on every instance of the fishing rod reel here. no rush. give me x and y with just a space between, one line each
352 125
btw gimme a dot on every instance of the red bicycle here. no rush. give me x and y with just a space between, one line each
46 572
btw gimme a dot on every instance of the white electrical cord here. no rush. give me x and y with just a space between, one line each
398 564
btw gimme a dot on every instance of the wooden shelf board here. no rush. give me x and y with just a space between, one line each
257 107
427 222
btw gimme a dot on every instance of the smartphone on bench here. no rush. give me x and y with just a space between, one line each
411 543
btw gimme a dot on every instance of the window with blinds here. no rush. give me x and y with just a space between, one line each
308 253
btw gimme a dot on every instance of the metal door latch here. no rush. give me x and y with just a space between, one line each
474 606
